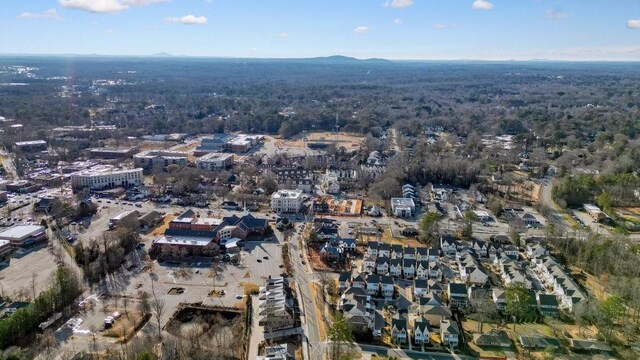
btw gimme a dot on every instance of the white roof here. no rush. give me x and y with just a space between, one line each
21 231
184 240
283 194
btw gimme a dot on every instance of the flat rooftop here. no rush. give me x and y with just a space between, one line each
407 202
21 231
284 194
215 156
104 170
184 240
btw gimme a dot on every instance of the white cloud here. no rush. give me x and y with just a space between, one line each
397 21
50 14
552 14
187 20
633 24
482 5
361 30
283 35
105 6
398 3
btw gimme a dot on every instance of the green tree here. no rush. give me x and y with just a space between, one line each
339 333
608 313
518 303
430 228
467 224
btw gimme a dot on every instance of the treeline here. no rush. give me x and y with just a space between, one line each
23 323
102 256
209 95
606 190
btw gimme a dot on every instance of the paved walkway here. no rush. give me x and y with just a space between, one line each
257 333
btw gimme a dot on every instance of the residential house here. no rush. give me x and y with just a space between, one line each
386 286
409 253
493 250
344 281
422 253
348 245
480 247
396 251
372 249
539 342
433 255
382 265
329 252
421 331
395 268
372 284
358 281
457 294
422 269
435 270
399 333
499 298
536 250
378 323
495 338
408 269
369 264
384 250
449 332
435 287
514 273
420 288
510 251
547 304
448 244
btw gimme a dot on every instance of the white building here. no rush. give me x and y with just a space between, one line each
286 201
162 158
106 177
23 235
403 207
215 161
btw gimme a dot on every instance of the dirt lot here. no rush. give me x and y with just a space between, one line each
349 141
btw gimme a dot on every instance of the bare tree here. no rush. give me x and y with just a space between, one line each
157 307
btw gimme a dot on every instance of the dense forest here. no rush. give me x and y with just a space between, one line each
554 103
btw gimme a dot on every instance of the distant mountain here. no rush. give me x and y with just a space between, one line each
340 59
162 54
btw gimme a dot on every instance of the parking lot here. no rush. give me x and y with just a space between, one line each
18 277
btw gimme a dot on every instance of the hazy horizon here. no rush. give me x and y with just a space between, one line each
491 30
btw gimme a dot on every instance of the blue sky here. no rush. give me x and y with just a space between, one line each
393 29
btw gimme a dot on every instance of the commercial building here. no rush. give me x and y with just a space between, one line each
236 143
29 146
189 234
286 201
5 251
403 207
123 218
595 212
106 177
24 235
215 161
160 158
112 153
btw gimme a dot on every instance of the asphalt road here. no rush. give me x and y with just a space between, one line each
304 279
